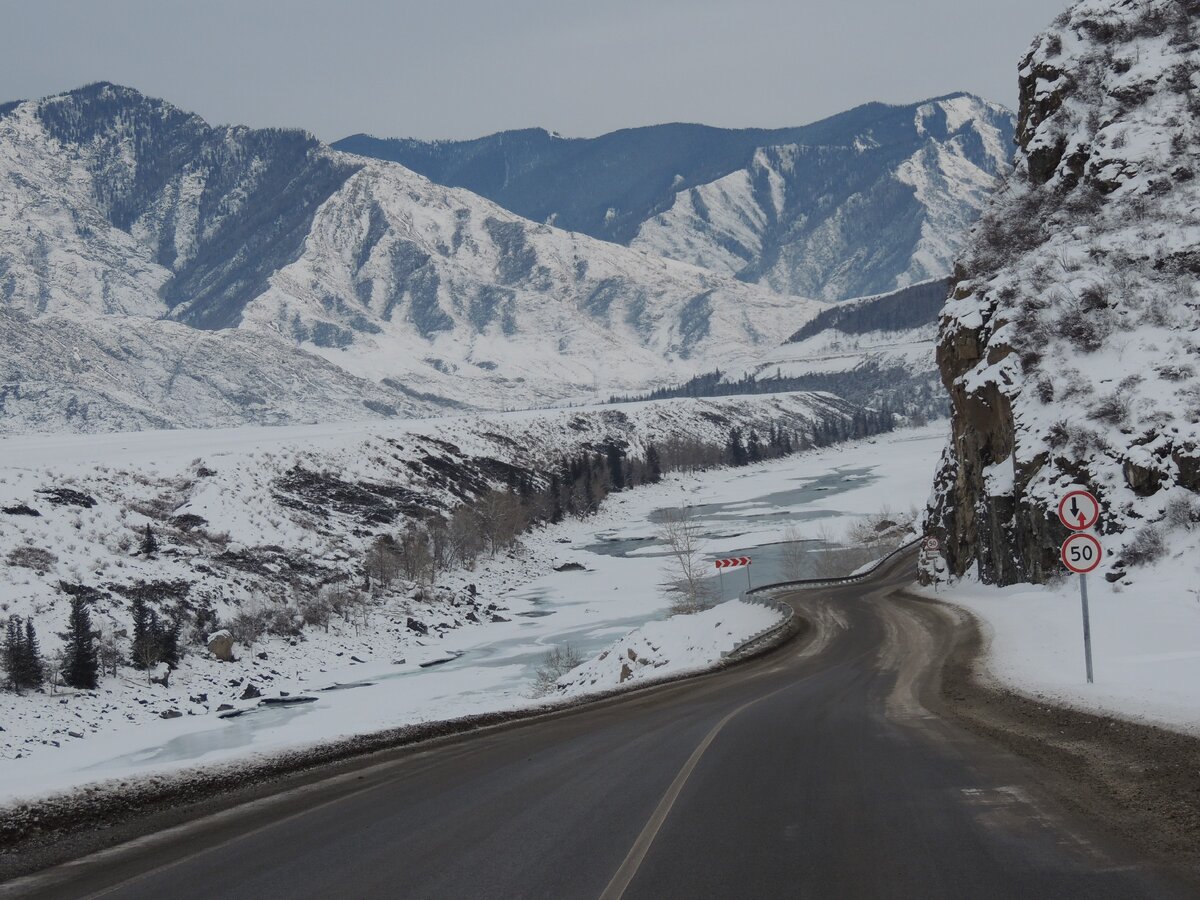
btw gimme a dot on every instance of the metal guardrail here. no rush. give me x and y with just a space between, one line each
770 602
807 583
762 596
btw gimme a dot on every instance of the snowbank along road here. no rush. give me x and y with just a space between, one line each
815 770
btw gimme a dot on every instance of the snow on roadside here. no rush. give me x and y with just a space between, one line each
1145 643
675 646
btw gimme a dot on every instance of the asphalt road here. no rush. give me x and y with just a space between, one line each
813 771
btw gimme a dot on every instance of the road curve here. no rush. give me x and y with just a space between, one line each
811 772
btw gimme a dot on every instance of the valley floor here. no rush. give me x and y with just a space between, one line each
381 676
607 600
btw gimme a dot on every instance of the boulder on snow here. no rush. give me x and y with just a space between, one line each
170 714
220 645
251 692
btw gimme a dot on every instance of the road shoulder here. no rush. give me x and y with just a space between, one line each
1142 781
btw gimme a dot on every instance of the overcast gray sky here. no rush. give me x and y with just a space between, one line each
463 68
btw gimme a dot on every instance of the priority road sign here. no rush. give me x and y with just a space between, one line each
1078 510
1081 553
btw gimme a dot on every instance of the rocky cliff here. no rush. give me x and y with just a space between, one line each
1068 344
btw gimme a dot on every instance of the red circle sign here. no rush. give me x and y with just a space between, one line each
1081 553
1079 510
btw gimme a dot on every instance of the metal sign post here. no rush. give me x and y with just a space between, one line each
732 563
1087 627
1081 553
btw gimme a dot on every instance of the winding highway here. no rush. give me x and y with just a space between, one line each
814 771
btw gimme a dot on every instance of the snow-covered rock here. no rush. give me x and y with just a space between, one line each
1069 343
220 645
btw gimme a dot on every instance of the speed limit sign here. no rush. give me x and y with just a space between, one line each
1081 553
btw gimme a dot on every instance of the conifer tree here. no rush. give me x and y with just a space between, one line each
754 450
169 643
149 542
32 672
141 632
654 464
81 664
10 653
736 450
616 470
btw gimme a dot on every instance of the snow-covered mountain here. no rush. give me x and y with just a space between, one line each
871 200
1069 343
121 215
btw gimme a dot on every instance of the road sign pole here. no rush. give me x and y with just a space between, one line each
1087 626
748 586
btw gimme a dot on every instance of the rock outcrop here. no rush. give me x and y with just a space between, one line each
1068 343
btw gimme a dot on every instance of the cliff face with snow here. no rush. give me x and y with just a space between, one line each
122 216
864 202
1069 343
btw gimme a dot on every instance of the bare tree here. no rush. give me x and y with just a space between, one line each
794 554
250 623
414 556
555 664
107 650
465 534
689 587
441 553
502 518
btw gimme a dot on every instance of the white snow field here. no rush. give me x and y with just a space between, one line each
1145 642
115 733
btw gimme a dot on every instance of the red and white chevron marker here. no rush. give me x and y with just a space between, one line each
733 562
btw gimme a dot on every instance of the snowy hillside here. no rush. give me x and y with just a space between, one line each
117 205
873 199
894 330
114 373
1069 344
873 351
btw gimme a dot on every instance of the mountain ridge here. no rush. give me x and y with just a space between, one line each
642 187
